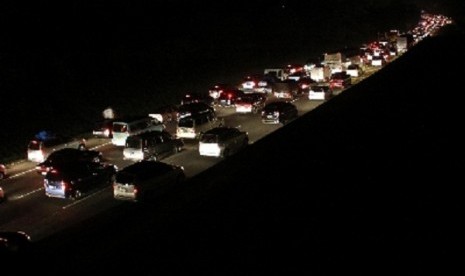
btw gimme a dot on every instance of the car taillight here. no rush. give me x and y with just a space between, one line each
64 185
106 132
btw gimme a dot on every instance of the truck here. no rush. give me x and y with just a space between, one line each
335 61
320 73
45 142
403 43
277 73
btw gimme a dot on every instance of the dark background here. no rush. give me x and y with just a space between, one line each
76 58
368 183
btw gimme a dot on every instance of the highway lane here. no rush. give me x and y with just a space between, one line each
29 210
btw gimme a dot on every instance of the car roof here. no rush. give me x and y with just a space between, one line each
144 166
219 130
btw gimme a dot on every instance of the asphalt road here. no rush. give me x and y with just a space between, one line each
30 210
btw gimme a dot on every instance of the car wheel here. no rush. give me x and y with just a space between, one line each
225 153
112 179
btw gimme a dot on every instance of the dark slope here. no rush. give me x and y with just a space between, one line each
367 183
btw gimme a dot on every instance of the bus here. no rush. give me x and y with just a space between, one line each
123 128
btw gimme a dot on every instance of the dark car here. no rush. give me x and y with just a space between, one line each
197 98
251 103
192 109
68 155
103 128
13 243
305 84
286 89
257 83
340 80
166 113
216 90
222 141
152 145
146 179
73 180
229 97
279 112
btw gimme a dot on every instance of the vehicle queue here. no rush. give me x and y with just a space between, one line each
197 122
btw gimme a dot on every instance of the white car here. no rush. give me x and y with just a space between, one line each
354 70
320 92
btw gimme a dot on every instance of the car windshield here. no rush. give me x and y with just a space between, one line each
120 127
133 142
209 138
124 178
34 145
186 122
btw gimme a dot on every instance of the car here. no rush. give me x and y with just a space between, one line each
279 112
286 89
103 128
67 155
378 61
250 103
196 108
216 90
340 80
146 179
165 114
305 85
45 142
2 171
2 195
296 76
74 180
354 70
152 145
13 243
321 91
257 83
194 97
229 97
222 141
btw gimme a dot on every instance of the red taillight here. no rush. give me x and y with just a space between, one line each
230 96
64 185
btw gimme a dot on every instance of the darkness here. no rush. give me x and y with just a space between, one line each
368 183
79 57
